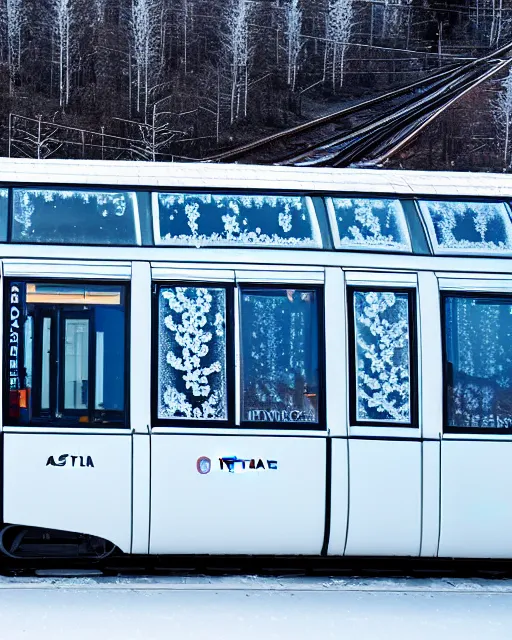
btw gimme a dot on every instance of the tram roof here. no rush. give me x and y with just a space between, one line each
253 177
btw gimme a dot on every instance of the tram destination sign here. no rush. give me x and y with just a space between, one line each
14 336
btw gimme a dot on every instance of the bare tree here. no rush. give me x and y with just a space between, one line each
238 52
61 20
145 30
99 5
503 117
14 20
396 17
339 27
293 16
496 22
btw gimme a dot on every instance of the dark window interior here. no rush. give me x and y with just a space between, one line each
4 213
280 355
478 362
66 348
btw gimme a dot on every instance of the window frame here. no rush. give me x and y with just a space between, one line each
412 293
448 429
64 423
139 228
318 226
187 423
321 424
430 231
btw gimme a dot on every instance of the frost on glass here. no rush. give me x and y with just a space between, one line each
382 356
479 362
477 226
192 353
279 355
74 217
195 219
371 223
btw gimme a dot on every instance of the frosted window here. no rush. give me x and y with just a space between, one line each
192 353
469 226
370 223
478 354
382 356
194 219
279 355
74 217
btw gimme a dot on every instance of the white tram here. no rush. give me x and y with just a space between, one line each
205 359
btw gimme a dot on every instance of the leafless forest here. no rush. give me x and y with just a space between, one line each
181 79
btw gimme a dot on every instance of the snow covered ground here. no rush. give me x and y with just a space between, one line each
179 608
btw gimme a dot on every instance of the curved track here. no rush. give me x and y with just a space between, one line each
387 122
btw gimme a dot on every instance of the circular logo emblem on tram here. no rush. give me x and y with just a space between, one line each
204 465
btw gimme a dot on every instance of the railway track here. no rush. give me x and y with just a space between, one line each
300 135
381 137
367 133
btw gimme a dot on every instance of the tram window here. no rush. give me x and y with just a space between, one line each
4 213
192 353
370 223
206 219
468 227
65 346
478 362
382 323
280 355
65 216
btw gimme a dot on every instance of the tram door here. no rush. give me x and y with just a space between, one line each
476 448
67 446
238 439
383 446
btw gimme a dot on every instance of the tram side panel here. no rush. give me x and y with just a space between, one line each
79 483
67 451
476 448
384 447
237 494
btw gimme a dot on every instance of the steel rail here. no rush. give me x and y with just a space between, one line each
402 140
236 153
377 119
352 146
310 126
414 120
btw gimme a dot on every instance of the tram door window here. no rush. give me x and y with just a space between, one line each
478 362
66 353
280 355
383 388
195 356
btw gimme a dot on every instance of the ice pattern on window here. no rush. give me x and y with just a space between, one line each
479 362
192 353
382 356
195 219
478 226
279 355
70 216
370 223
